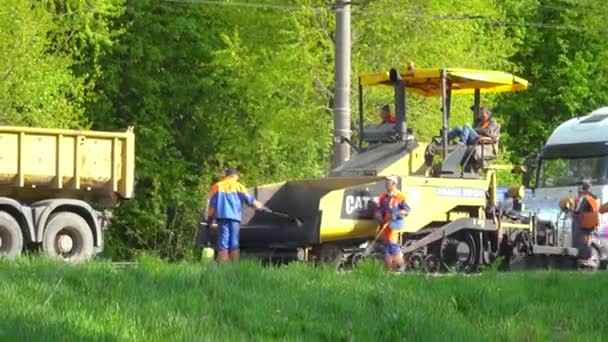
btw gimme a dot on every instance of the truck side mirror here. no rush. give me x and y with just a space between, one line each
519 170
526 175
530 168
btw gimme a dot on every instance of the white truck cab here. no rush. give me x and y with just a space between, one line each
576 150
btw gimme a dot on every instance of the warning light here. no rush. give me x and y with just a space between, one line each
410 66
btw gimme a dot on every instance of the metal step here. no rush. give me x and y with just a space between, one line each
552 250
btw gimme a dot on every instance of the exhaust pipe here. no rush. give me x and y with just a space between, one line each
399 103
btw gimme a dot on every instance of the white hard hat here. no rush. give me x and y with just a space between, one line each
393 179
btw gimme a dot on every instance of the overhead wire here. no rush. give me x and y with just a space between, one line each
562 4
252 5
447 17
567 5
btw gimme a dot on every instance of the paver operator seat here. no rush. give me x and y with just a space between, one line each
471 158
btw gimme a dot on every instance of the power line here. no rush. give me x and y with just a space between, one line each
252 5
574 3
447 17
566 5
481 18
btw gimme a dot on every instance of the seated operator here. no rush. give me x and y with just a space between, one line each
485 126
386 116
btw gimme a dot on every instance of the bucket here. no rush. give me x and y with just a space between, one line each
207 254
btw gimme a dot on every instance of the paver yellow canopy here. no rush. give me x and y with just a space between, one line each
427 82
443 82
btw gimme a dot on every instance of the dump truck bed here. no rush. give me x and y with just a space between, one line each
39 163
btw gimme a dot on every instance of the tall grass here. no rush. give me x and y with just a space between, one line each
45 300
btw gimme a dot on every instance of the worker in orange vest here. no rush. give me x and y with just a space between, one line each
392 208
587 219
485 126
386 116
225 204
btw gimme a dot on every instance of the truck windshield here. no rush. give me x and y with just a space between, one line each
562 172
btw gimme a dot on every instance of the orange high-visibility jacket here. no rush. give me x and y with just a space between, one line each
590 219
387 204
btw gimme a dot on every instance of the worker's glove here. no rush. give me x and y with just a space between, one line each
257 204
566 204
396 214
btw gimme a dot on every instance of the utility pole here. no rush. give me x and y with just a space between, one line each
342 84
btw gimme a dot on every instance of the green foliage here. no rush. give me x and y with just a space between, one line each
205 92
85 31
563 64
158 301
48 59
507 177
155 80
36 87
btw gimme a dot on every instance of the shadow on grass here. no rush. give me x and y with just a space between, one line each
19 328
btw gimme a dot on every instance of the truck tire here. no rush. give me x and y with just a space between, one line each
595 259
68 236
11 238
329 254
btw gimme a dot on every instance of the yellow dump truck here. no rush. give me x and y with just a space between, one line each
49 181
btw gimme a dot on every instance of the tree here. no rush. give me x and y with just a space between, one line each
205 93
44 80
37 87
561 59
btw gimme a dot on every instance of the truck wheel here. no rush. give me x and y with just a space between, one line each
519 251
459 252
11 238
595 259
69 237
329 254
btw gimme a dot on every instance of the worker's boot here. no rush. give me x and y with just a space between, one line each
388 263
235 255
398 263
400 267
583 264
222 256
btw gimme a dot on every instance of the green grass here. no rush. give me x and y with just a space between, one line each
44 300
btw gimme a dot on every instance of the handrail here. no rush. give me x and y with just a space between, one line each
472 151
